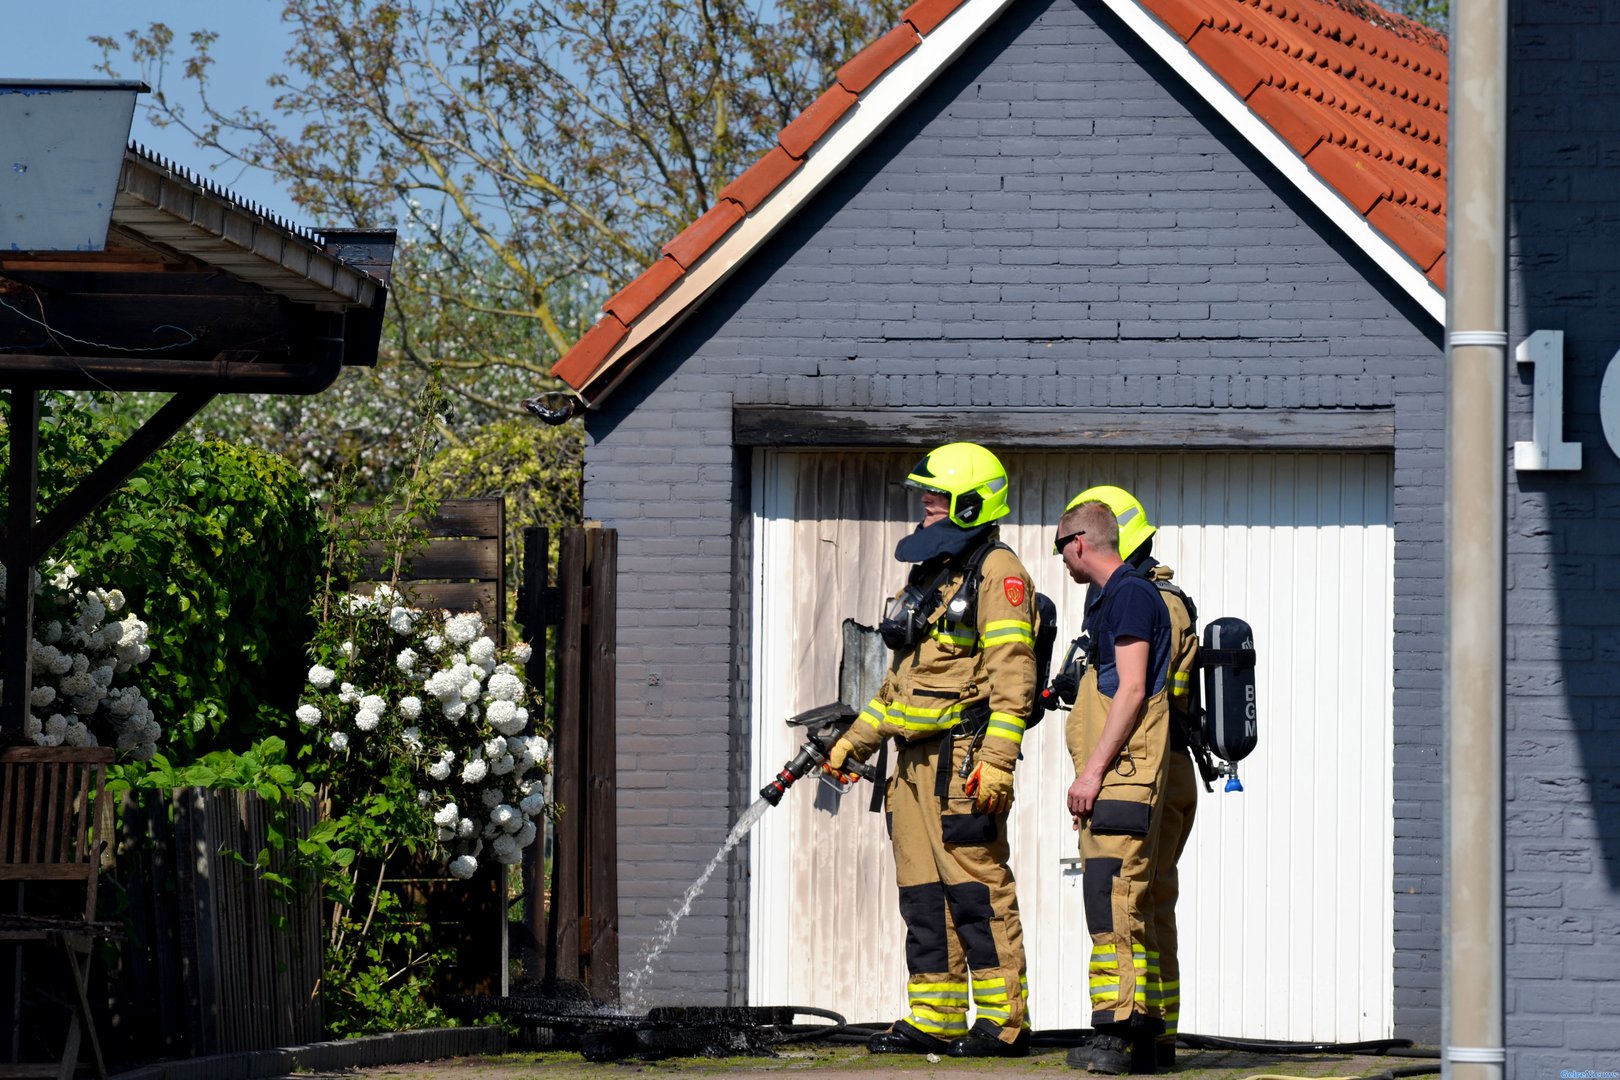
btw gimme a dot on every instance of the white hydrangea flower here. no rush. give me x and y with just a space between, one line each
493 797
401 620
374 703
526 835
53 632
474 771
439 770
454 710
443 685
347 649
533 803
338 741
506 817
308 715
114 599
522 651
494 748
410 707
466 827
463 867
506 850
471 689
449 815
412 738
434 643
366 720
502 765
406 661
348 693
42 696
321 677
423 797
482 653
464 628
504 686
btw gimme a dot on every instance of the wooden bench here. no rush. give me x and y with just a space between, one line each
55 825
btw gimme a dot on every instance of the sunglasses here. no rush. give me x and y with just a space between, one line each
1064 540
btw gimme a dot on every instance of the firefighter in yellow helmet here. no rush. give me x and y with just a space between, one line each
1119 738
1180 802
960 687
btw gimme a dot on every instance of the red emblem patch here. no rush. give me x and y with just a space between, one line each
1015 591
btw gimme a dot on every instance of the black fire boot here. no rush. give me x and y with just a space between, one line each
902 1038
1144 1045
1164 1053
984 1040
1107 1051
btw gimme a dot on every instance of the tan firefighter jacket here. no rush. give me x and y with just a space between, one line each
958 671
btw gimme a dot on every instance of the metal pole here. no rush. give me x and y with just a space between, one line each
1475 541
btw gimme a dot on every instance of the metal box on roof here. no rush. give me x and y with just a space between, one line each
61 146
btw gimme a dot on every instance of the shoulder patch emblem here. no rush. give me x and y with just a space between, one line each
1015 591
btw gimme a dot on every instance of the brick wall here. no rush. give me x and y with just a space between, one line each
1052 222
1563 602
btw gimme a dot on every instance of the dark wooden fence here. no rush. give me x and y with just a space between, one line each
217 960
577 932
463 566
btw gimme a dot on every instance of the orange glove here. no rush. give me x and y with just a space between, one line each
836 758
992 787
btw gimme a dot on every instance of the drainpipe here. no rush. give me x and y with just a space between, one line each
1475 539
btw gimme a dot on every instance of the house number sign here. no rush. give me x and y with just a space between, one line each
1547 451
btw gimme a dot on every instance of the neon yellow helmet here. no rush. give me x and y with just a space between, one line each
970 476
1134 526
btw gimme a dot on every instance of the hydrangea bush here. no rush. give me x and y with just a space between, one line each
83 692
432 693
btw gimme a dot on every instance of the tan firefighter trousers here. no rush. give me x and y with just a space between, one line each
1175 826
957 898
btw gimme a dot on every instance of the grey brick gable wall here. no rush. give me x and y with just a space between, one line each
1562 775
1053 222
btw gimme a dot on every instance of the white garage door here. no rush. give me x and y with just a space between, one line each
1286 910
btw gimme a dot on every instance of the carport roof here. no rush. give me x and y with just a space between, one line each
1347 100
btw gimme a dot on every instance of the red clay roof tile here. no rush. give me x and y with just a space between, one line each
871 62
1183 17
1418 237
1280 109
1239 64
1349 174
762 177
925 15
590 351
629 302
697 238
799 136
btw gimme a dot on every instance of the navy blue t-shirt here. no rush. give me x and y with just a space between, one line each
1129 605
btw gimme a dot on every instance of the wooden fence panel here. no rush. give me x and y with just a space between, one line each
206 969
579 936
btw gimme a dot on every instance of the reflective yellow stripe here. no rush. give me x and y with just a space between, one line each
933 990
953 634
1006 725
944 1029
1008 632
873 713
1180 683
923 717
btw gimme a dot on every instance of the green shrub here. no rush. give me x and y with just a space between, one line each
218 547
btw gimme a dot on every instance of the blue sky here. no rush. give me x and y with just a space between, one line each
49 40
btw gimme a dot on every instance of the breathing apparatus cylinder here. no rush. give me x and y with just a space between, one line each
1227 658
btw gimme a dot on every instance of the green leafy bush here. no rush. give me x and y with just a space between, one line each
218 547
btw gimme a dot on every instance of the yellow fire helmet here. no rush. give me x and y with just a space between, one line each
1134 526
970 476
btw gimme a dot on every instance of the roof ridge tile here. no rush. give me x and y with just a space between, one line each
925 15
872 62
